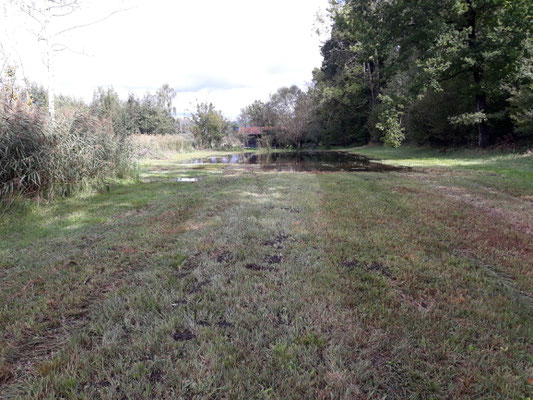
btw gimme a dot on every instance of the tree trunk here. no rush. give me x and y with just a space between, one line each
483 129
374 70
51 87
50 68
373 94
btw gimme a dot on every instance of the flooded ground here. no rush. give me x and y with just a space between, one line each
295 161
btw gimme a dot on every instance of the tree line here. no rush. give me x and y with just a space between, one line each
444 73
151 114
286 118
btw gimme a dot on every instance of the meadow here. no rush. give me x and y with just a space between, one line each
264 285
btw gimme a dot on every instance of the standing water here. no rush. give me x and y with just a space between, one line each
295 161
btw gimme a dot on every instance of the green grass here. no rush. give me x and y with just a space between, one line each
253 285
511 169
428 157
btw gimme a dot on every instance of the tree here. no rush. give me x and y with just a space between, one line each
283 103
153 118
486 40
521 100
209 125
300 125
256 114
106 104
286 116
132 114
165 96
45 17
384 57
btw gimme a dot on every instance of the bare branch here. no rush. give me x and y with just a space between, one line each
65 14
29 13
74 4
57 47
91 23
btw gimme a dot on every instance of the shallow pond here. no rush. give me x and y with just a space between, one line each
294 161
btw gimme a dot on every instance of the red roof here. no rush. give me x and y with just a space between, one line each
259 130
250 130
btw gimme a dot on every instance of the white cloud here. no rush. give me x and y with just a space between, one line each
228 52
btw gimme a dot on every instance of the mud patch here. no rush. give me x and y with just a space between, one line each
156 376
275 259
291 209
223 256
352 264
103 384
405 189
379 268
224 324
277 241
374 267
197 288
185 265
257 267
6 374
183 336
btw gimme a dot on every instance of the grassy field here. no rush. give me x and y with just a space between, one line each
265 285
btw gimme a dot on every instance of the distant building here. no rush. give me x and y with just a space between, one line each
251 135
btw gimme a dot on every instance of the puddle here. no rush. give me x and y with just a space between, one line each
187 180
296 161
170 179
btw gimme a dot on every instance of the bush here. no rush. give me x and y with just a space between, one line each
41 159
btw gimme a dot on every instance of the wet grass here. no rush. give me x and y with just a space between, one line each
502 169
270 285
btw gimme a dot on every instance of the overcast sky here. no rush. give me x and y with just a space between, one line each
228 52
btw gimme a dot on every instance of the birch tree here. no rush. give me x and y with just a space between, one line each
49 21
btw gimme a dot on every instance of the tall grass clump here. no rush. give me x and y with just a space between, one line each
146 146
42 159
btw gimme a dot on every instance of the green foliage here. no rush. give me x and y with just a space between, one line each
257 114
389 122
209 126
469 119
151 115
522 110
287 118
153 118
386 59
521 100
39 96
427 120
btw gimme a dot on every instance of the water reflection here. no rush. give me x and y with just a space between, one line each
300 161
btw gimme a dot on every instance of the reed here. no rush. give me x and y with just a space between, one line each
156 146
41 159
